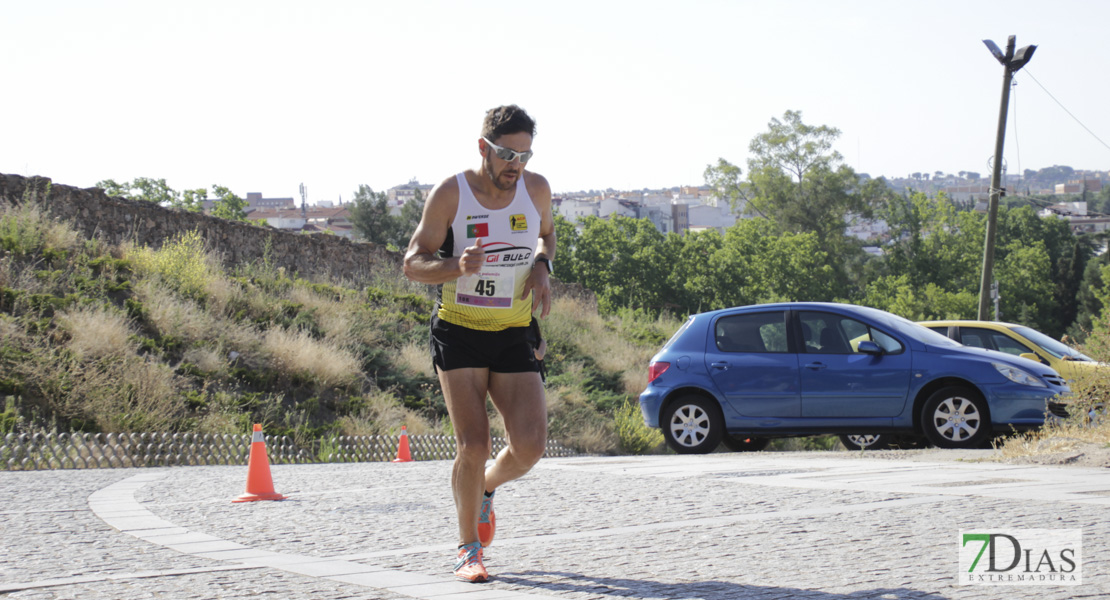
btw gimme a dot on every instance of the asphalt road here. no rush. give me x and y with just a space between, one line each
820 526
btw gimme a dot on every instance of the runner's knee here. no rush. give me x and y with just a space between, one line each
476 449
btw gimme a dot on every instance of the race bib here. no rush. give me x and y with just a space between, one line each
492 287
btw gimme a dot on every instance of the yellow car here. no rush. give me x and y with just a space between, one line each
1016 339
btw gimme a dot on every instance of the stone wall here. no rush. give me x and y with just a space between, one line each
314 257
115 220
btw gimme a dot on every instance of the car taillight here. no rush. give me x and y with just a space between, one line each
656 369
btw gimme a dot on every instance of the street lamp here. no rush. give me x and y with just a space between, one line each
1012 62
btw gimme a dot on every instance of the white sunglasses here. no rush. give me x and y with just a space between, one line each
509 155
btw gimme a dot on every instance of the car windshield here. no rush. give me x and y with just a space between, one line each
1053 347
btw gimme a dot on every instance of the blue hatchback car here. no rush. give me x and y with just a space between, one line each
743 375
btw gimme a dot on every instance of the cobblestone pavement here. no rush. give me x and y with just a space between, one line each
815 526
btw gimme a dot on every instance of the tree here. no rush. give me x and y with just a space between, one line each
566 236
192 200
798 181
112 188
623 260
156 191
228 205
724 178
371 219
411 212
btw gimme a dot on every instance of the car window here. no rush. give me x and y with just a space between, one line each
943 330
752 332
975 338
1008 344
992 340
827 333
678 333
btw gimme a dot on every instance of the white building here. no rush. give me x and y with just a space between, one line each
703 216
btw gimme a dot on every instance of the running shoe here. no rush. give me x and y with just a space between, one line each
487 521
470 567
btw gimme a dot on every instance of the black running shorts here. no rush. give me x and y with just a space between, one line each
458 347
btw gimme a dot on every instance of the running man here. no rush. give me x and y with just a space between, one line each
487 237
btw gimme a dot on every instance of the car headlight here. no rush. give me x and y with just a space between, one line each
1016 375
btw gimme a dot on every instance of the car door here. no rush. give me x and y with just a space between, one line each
839 381
749 359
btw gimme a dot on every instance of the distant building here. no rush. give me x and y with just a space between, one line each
965 193
702 217
577 209
1079 186
399 195
315 219
680 216
256 201
1065 209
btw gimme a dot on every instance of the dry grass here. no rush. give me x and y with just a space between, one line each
416 359
1055 439
96 333
323 361
174 315
382 415
184 319
115 393
207 358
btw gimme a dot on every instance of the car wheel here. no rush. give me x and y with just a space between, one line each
744 443
693 425
873 441
956 417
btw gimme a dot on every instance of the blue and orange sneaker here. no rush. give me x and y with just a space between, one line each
469 568
487 521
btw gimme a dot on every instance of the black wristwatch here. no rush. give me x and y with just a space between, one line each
544 260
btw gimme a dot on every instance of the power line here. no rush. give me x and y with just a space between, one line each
1088 129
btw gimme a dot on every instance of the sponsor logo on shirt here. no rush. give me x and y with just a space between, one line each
518 223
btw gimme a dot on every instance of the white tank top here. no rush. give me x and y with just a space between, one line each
490 299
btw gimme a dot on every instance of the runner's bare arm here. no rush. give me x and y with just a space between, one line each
539 281
421 262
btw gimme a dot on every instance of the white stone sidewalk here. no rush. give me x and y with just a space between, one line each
826 526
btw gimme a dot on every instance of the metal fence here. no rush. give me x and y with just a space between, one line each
35 451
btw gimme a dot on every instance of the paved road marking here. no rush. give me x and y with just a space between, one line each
116 505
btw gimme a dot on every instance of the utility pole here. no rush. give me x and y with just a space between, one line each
1011 63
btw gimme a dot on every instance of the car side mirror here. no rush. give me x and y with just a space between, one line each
1032 356
869 347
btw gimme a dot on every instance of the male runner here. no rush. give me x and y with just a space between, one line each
488 237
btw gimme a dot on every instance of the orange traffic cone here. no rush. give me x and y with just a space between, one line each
260 486
403 448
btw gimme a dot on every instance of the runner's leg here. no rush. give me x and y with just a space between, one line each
464 391
519 397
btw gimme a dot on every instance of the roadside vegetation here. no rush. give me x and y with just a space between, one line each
102 338
1084 436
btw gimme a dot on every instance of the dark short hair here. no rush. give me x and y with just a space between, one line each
505 120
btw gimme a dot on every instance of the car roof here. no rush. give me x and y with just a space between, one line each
968 323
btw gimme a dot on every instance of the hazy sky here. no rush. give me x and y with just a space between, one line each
262 96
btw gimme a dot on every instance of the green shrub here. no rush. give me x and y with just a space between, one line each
635 436
182 264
